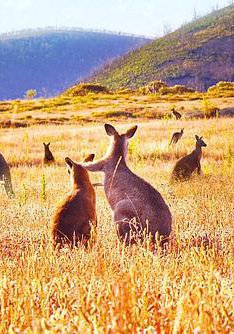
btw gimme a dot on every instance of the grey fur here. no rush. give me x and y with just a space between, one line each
130 197
176 114
5 176
185 166
176 137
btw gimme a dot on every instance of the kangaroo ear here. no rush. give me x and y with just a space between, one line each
201 137
89 158
131 132
69 162
196 136
44 144
110 130
48 144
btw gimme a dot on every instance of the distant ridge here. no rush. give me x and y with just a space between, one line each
61 29
199 54
52 59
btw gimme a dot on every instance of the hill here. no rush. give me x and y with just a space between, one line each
199 54
51 60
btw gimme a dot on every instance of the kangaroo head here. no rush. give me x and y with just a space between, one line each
119 143
78 173
46 146
89 158
200 142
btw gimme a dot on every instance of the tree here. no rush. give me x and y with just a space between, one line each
30 94
167 29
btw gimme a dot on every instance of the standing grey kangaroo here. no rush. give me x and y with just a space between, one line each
176 114
176 137
48 156
138 208
185 166
5 176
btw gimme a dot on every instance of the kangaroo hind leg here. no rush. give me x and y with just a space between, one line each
127 226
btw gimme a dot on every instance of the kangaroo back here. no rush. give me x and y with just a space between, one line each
176 114
176 137
5 176
75 218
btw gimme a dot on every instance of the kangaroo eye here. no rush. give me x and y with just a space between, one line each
69 172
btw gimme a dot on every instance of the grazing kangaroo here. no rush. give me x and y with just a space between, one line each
176 114
176 137
48 157
187 165
5 176
76 216
130 197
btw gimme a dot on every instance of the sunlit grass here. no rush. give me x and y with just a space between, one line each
110 288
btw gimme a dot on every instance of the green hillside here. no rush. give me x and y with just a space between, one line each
199 54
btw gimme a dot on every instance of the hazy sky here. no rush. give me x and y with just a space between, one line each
146 17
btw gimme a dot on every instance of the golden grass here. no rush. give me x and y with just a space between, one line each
110 288
99 107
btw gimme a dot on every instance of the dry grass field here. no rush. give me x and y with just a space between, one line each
110 288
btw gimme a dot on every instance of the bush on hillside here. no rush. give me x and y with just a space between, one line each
177 89
83 89
222 89
153 87
124 90
209 108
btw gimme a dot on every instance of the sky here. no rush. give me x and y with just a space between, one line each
141 17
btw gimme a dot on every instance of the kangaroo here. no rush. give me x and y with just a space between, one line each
74 219
48 157
176 137
185 166
176 114
129 196
5 176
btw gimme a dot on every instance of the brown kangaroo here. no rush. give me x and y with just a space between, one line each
176 137
130 197
48 157
185 166
74 219
176 114
5 176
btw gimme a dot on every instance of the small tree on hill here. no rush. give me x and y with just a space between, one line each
30 94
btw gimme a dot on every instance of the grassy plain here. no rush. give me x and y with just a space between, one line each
96 108
111 288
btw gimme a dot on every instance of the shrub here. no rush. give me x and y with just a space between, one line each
30 94
222 89
153 87
209 108
177 89
124 91
83 89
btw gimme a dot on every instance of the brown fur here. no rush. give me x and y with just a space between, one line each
74 219
176 114
176 137
48 156
187 165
